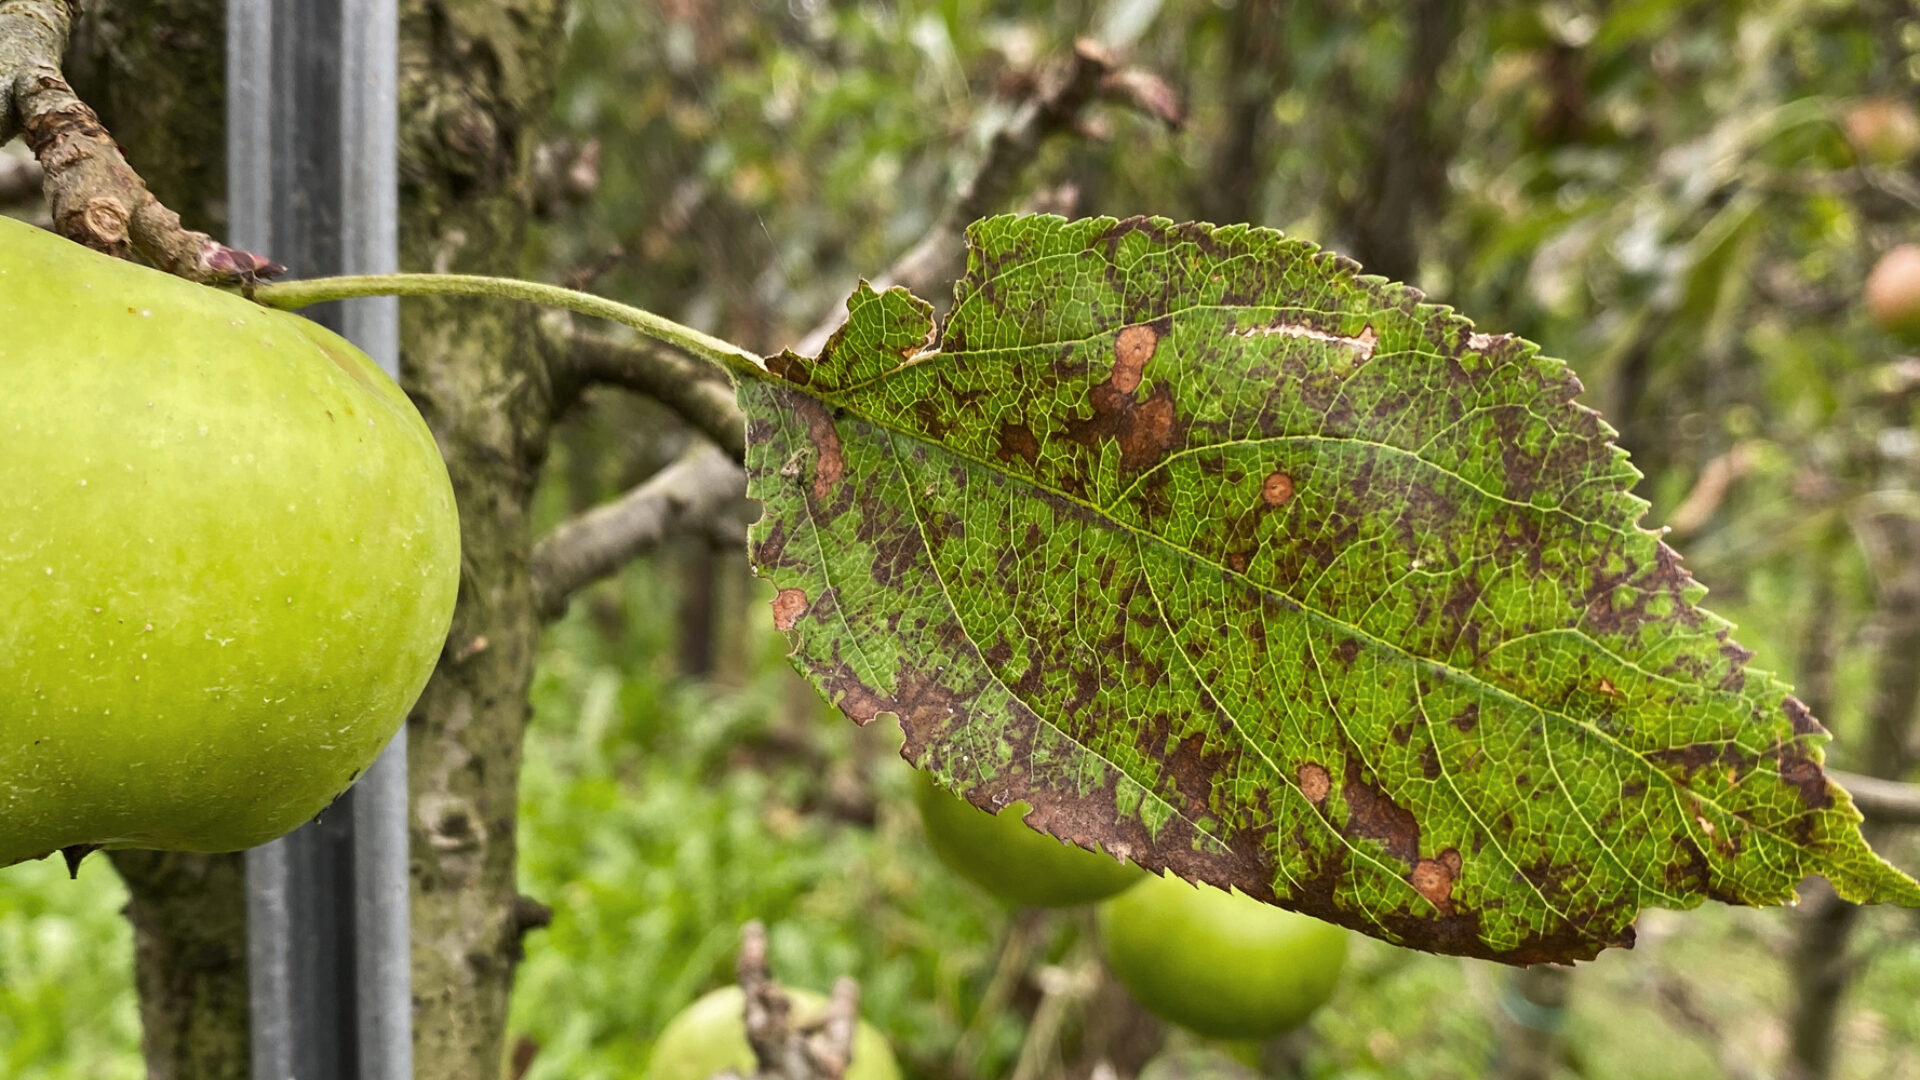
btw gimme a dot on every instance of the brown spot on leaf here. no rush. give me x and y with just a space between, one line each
788 606
828 464
1277 490
1145 430
1372 813
1802 718
1800 771
1315 783
1131 351
1017 441
1433 878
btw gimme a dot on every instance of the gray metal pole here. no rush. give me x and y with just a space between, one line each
311 119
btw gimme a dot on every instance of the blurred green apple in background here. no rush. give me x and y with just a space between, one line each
228 559
999 853
1219 963
710 1036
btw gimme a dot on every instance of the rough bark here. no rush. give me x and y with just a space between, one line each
189 915
474 79
155 71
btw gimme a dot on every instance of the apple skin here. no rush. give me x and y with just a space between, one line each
710 1035
1220 964
228 559
999 853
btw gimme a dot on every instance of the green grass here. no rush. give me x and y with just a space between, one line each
67 1008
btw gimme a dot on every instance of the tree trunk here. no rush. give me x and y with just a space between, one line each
1406 174
189 915
1255 72
475 76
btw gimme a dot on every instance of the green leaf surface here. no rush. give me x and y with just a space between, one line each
1234 561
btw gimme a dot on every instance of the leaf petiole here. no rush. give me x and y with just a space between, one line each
292 295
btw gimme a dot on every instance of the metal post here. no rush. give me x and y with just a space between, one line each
311 119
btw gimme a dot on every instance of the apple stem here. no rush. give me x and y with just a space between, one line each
290 295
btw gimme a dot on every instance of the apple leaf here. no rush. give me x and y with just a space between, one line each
1233 561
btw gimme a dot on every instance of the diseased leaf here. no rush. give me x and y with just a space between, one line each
1236 562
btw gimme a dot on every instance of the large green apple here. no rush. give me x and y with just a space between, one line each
999 853
710 1037
228 558
1219 963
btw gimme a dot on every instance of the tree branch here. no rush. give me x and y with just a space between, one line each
1060 94
1881 802
96 197
599 542
696 391
821 1050
1054 106
1822 970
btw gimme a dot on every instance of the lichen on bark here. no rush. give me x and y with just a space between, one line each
474 81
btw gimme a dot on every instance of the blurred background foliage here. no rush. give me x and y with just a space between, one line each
1681 199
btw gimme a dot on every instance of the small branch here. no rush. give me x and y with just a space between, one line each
830 1046
1059 96
767 1006
1881 802
599 542
821 1050
1015 945
1715 482
1533 1009
96 197
692 390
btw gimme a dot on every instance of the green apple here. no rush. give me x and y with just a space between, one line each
999 853
1893 293
228 559
1196 1063
1218 963
710 1036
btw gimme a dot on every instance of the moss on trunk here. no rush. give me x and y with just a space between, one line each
475 79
